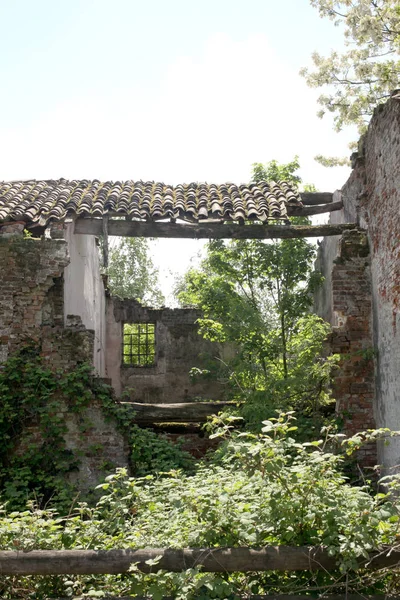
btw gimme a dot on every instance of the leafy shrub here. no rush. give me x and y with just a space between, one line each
260 489
151 453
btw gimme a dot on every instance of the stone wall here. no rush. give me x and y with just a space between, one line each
371 198
32 301
178 348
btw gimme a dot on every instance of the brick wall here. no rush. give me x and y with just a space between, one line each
93 439
32 301
380 204
354 382
371 197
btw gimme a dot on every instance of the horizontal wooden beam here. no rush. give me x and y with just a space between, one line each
312 198
181 412
208 230
261 597
307 211
212 560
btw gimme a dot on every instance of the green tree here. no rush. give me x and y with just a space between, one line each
273 171
288 265
132 274
369 70
257 295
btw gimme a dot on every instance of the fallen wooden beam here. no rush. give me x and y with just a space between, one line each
208 230
180 412
258 597
212 560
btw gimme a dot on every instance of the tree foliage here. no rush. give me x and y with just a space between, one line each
132 274
274 171
369 70
257 295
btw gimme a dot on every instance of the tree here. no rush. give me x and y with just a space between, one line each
132 274
257 295
365 74
289 263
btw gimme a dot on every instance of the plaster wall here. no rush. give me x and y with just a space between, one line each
84 293
381 206
114 348
327 252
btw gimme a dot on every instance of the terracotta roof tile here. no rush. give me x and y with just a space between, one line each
44 201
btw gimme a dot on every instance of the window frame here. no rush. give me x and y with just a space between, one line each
146 359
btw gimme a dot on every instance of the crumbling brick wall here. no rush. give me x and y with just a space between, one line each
353 385
32 310
179 347
371 197
31 301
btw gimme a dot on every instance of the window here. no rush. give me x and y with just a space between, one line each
139 344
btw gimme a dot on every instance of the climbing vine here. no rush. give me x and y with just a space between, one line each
35 462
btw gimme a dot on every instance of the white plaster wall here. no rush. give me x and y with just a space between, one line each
387 347
382 160
114 347
84 294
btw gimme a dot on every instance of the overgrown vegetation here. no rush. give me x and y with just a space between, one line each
258 489
37 464
272 480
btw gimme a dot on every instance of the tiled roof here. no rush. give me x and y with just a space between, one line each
44 201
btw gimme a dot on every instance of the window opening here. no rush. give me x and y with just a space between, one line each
139 344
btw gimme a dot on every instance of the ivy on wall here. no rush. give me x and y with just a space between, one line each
34 459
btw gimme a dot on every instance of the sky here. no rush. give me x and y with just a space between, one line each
166 90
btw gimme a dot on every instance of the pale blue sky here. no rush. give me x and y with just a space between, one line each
55 49
60 60
170 90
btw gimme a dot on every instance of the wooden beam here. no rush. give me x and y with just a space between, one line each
213 560
258 597
181 412
314 210
208 230
312 198
105 242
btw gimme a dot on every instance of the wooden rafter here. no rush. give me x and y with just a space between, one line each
319 209
207 230
313 198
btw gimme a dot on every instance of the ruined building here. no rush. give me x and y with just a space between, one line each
52 290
